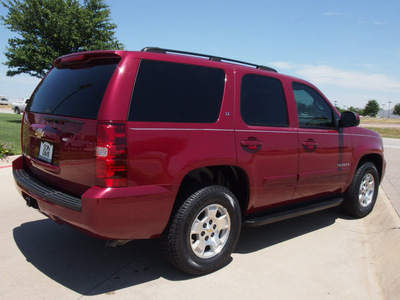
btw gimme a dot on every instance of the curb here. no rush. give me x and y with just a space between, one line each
382 236
389 205
7 162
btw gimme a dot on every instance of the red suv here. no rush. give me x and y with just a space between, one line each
188 147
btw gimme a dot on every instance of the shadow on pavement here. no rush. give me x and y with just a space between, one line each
257 238
84 265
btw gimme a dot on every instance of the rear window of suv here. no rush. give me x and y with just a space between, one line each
75 91
263 101
174 92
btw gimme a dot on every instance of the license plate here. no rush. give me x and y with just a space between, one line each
46 152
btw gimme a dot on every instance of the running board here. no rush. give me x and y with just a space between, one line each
292 213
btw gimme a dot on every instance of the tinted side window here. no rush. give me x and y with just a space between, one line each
172 92
263 101
73 92
312 109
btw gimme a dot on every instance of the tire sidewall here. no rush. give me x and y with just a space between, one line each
200 200
362 211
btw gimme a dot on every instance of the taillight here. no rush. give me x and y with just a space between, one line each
111 152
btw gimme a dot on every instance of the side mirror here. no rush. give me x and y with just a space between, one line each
349 119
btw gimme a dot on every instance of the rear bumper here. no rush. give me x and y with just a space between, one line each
111 213
31 184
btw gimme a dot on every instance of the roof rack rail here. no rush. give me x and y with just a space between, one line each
211 57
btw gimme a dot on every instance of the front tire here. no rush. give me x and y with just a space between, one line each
361 196
204 231
17 111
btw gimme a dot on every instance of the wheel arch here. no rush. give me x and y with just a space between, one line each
232 177
377 160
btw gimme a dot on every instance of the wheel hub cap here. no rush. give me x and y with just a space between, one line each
367 190
210 231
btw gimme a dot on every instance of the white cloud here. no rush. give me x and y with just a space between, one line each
380 23
330 75
347 87
338 14
332 14
282 65
327 75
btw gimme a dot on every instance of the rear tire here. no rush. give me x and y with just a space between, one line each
17 111
361 196
204 231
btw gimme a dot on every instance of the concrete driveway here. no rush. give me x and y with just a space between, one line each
325 255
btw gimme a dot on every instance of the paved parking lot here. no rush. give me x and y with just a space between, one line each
325 255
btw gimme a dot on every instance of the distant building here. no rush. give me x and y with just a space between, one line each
384 113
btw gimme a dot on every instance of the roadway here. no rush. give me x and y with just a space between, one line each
391 182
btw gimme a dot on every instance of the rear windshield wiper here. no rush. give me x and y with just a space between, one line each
62 119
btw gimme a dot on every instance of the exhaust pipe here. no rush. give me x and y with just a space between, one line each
30 202
115 243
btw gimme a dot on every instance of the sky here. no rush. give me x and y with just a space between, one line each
349 49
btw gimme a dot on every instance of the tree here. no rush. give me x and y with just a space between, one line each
360 111
372 108
396 109
47 29
339 109
352 108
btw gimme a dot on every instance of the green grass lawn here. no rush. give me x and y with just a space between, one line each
387 132
367 120
10 130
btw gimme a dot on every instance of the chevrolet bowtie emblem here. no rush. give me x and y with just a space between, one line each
39 133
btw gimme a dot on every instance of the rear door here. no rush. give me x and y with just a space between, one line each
175 124
266 146
60 123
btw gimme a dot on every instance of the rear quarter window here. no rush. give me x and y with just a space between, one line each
73 91
263 101
174 92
